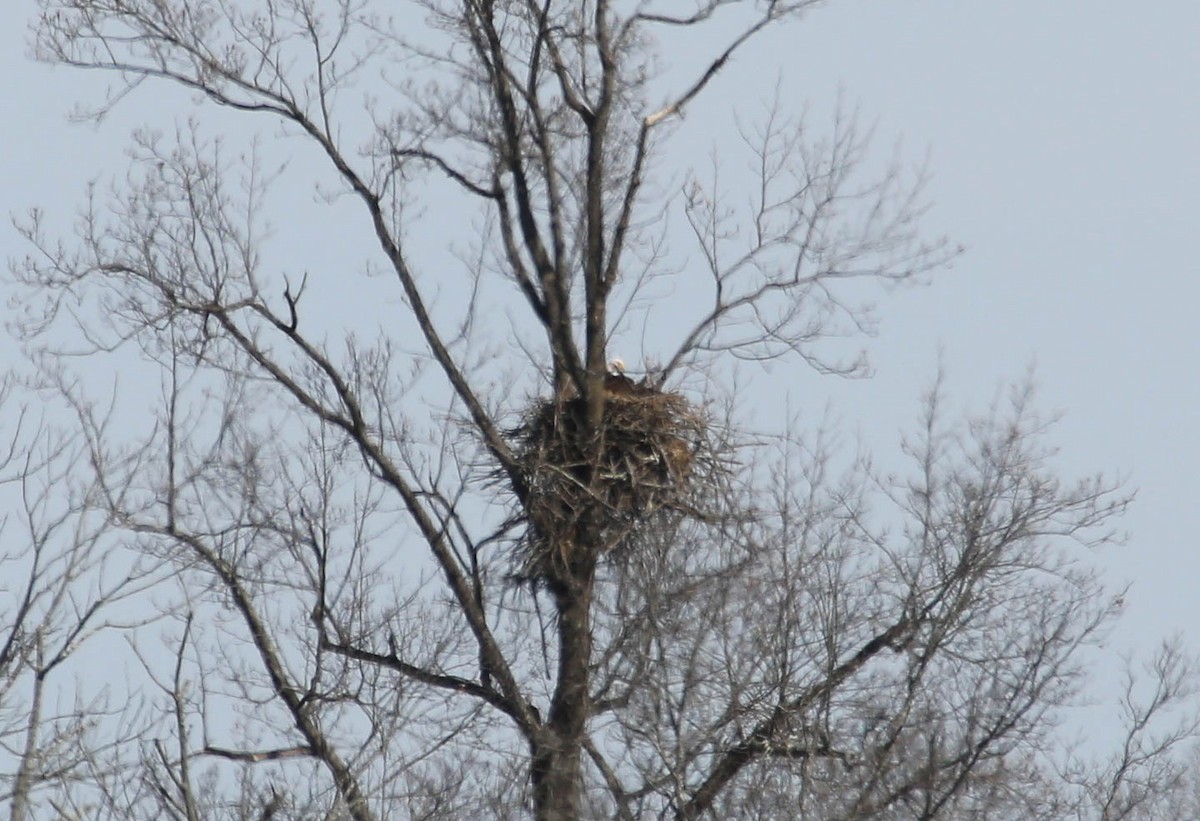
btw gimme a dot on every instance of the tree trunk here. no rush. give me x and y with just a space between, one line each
556 777
557 773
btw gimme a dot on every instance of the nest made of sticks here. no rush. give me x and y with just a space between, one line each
591 491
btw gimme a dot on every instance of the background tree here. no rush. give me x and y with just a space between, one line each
62 584
401 588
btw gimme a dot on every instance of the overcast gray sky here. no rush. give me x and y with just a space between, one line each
1064 136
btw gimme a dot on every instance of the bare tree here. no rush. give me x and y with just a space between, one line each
401 588
62 583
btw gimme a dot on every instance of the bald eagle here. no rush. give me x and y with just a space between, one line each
615 381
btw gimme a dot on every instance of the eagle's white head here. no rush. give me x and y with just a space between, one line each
616 365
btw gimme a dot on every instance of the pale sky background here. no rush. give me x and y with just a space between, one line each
1064 137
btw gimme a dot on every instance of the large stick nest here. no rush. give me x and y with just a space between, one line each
592 491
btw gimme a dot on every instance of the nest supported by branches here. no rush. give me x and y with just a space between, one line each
590 492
